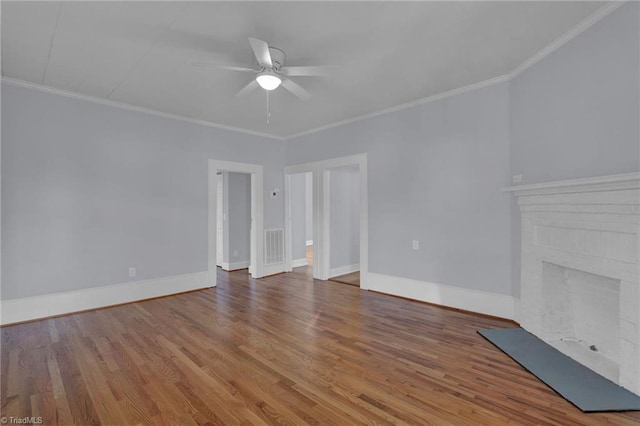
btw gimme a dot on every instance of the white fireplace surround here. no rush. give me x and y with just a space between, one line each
580 281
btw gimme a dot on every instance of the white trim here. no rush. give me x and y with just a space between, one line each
288 226
323 245
35 307
257 215
292 170
568 36
342 270
432 98
517 312
235 265
320 171
299 262
546 51
324 237
278 268
226 251
301 168
309 243
553 46
573 183
125 106
220 219
498 305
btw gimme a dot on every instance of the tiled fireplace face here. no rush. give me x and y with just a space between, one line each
580 287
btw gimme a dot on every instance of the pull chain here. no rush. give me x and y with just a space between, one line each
268 110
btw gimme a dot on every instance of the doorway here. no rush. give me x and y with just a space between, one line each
321 216
300 218
233 227
344 224
254 174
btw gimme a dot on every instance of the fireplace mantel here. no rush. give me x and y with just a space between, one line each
579 232
621 181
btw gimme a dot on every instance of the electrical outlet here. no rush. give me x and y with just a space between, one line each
415 245
132 272
516 178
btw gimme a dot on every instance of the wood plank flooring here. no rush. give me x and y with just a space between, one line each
280 350
352 278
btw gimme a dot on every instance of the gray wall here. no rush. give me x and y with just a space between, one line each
435 169
576 113
239 217
434 173
344 216
89 190
298 216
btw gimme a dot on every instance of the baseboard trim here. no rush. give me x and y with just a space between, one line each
273 269
299 262
54 304
235 266
516 309
336 272
483 302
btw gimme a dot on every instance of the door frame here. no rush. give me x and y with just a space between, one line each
321 215
257 215
288 250
220 219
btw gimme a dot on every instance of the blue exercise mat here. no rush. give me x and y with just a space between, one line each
576 383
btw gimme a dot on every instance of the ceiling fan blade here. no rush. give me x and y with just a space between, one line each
261 50
222 67
248 88
295 89
307 70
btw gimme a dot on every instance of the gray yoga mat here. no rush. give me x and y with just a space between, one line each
576 383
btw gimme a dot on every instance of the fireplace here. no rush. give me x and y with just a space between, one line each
580 286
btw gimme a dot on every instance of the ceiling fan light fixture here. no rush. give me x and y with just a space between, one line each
268 80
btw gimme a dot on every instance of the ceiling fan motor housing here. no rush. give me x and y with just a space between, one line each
277 58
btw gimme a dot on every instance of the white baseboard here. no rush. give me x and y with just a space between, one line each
309 242
47 305
235 266
299 262
335 272
499 305
516 310
273 269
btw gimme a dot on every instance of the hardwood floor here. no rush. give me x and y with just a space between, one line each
352 278
283 349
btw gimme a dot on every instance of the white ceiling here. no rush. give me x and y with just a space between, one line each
386 53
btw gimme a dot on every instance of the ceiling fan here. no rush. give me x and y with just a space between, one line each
271 72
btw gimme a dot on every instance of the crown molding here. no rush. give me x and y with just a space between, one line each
599 14
432 98
122 105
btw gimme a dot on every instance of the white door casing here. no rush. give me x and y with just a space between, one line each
321 219
220 218
257 215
